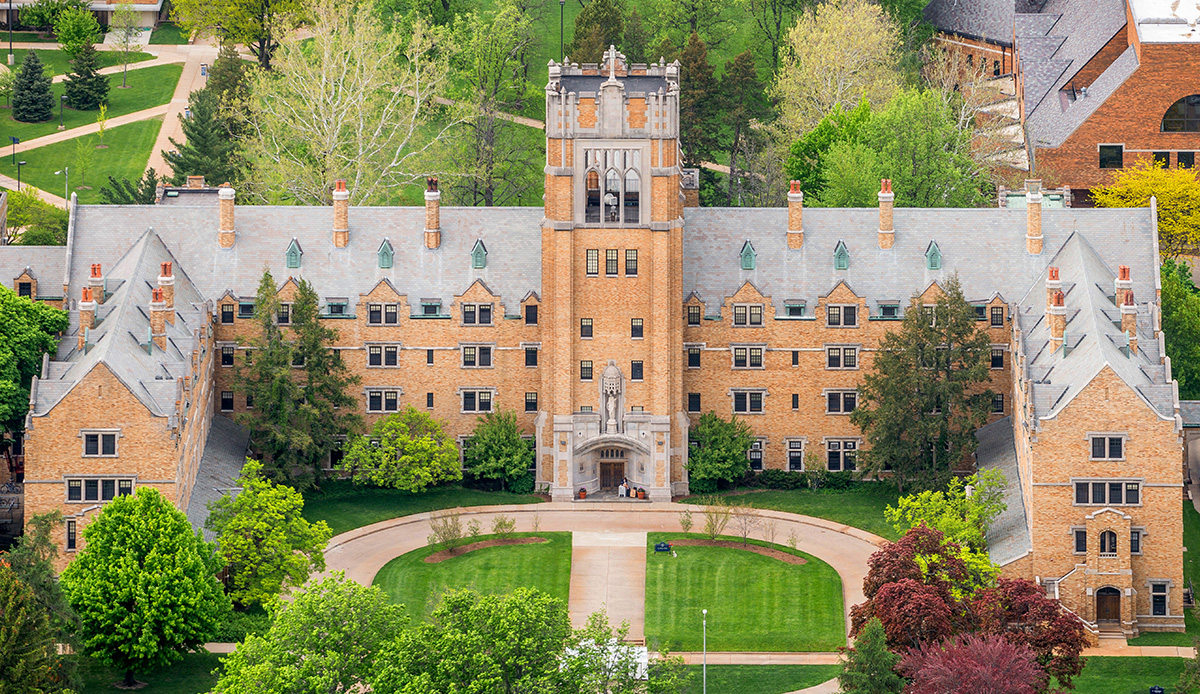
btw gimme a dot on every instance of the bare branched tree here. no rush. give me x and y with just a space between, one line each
716 517
446 529
745 520
770 530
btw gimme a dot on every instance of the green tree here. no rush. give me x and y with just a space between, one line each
300 414
700 104
327 639
719 453
807 157
122 192
28 660
207 149
497 452
7 79
43 14
904 11
125 27
85 154
258 24
1177 201
28 330
962 513
599 660
600 24
635 44
679 19
773 18
869 667
920 406
144 585
33 221
228 79
76 27
1181 326
267 545
32 100
745 101
409 450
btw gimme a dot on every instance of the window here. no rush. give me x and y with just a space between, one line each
747 401
1080 541
995 68
980 312
795 357
100 445
227 356
374 356
841 455
693 357
585 370
794 310
1158 599
1183 116
755 456
226 314
429 400
297 359
374 314
997 357
997 316
693 315
531 356
249 401
1185 160
747 357
227 401
611 261
476 356
429 357
635 328
841 315
1162 160
531 402
998 403
795 455
284 315
693 402
1108 543
1108 448
1110 492
477 401
841 401
98 489
889 310
71 535
1112 156
593 262
585 327
246 309
1135 542
748 314
531 314
631 262
336 307
635 370
840 357
383 400
795 401
431 308
390 356
477 314
391 400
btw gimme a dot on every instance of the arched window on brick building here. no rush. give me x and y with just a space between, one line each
1183 116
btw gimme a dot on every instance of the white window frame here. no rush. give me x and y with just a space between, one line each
841 324
100 433
761 392
788 448
383 398
841 443
1108 435
475 307
491 398
99 480
477 346
747 311
856 350
1107 481
761 350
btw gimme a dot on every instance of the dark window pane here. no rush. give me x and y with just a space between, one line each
756 402
429 400
850 315
469 401
531 356
693 402
1081 492
108 444
485 356
485 314
389 356
1135 542
1081 541
1185 160
91 444
375 400
389 314
375 314
833 402
374 356
1098 446
1112 156
1160 605
1162 159
429 356
227 313
74 490
91 490
531 402
108 489
1115 448
833 315
635 370
693 315
1114 492
1132 493
997 316
694 357
124 487
71 539
739 402
469 314
1097 492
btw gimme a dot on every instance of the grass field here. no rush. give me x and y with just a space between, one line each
860 506
57 62
126 155
191 676
761 679
1132 675
168 33
754 603
1191 572
417 585
24 37
345 506
148 87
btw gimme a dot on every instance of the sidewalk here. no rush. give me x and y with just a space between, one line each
89 129
189 81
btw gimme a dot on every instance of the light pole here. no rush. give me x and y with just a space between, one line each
704 668
66 170
562 8
15 140
19 165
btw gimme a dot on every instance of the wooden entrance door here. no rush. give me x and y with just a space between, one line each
1108 605
611 474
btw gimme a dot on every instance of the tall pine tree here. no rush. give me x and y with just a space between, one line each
207 150
600 24
869 667
227 80
32 100
746 101
699 104
86 89
122 192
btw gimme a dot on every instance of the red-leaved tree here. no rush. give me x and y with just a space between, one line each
972 665
1019 611
913 613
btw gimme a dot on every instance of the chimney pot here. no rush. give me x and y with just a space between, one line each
96 282
96 270
87 316
166 284
887 232
433 214
225 233
795 235
1053 284
1122 286
341 214
1033 215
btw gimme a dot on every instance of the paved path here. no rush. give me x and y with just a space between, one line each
90 128
189 81
608 572
167 58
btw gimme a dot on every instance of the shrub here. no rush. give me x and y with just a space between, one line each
504 526
716 516
702 485
236 626
685 521
446 529
521 484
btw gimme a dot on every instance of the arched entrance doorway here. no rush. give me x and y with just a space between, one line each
1108 605
612 466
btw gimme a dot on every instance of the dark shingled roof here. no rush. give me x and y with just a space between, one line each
1008 537
224 456
984 19
633 83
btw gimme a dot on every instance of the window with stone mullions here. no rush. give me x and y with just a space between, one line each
1108 448
284 315
227 356
99 445
748 314
477 314
841 315
795 455
841 357
744 402
841 455
477 401
98 489
1108 492
841 401
477 356
755 455
747 357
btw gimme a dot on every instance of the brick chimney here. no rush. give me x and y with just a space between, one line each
1122 285
1129 319
1033 215
433 215
225 234
795 234
887 233
96 282
1056 314
341 214
87 316
195 182
166 282
158 318
1053 284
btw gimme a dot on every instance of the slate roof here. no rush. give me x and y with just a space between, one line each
984 19
44 263
1008 537
224 456
632 83
1189 410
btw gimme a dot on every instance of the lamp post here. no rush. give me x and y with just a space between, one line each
66 170
61 100
15 141
562 9
19 165
704 668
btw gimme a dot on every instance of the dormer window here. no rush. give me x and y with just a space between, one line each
293 254
431 308
749 257
385 255
479 256
933 256
841 257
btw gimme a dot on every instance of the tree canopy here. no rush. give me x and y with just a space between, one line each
868 667
807 155
1181 326
1177 197
259 24
719 453
962 513
496 451
28 660
32 100
28 330
409 450
207 149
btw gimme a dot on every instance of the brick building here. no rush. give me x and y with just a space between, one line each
613 316
1099 84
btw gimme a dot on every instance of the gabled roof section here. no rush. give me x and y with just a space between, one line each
991 20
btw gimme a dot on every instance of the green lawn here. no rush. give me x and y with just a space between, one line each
148 87
754 603
1128 675
191 676
416 585
346 506
1191 572
128 150
761 679
861 506
57 62
24 37
168 33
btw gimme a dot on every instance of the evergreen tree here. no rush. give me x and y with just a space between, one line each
869 667
637 39
32 100
600 24
86 89
746 101
227 80
207 150
699 104
122 192
28 662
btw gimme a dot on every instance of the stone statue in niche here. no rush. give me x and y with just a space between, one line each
611 384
